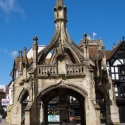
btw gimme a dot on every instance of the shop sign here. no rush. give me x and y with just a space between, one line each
5 102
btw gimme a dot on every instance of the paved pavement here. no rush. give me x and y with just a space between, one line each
4 122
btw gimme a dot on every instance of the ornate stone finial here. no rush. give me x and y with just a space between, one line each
103 47
35 38
60 12
97 51
20 53
123 38
20 62
114 46
35 45
35 51
59 3
25 50
85 36
25 56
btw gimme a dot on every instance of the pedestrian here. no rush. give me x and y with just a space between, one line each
73 122
0 118
23 119
64 122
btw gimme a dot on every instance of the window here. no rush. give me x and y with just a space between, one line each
117 76
122 69
53 115
113 76
124 61
122 77
122 113
122 90
112 69
116 69
116 90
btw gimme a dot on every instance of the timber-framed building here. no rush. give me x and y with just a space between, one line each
115 59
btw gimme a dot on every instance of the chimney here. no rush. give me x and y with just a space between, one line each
114 46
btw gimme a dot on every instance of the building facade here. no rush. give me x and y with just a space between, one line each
4 100
116 69
76 71
2 95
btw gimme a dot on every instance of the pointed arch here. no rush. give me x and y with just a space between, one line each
70 55
103 92
61 84
43 54
24 93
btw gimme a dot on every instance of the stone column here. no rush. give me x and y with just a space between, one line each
63 105
112 115
45 113
27 117
35 51
97 116
108 118
42 114
20 71
19 108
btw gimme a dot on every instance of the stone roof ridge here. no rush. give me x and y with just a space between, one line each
59 3
90 42
93 40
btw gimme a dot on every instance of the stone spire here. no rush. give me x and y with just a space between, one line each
25 57
20 63
59 3
60 12
123 38
35 51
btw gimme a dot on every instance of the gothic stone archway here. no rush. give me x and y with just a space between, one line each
63 103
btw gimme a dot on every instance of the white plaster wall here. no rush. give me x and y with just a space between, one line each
117 62
30 52
10 93
15 74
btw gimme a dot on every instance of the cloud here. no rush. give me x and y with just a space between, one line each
14 54
9 6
